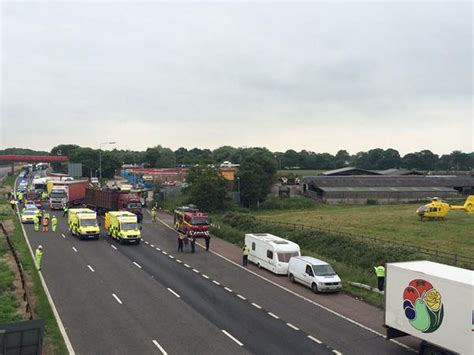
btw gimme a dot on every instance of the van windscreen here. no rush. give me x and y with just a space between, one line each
285 257
323 270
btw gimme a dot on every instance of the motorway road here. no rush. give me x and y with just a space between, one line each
147 299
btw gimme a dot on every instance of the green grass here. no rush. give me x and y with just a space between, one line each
53 340
392 222
300 173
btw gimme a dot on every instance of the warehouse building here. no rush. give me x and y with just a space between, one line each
363 189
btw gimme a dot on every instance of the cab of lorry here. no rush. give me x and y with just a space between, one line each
123 226
314 273
83 224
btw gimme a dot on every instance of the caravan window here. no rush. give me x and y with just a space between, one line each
285 257
269 254
253 246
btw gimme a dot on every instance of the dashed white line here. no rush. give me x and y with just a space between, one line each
74 249
62 235
113 246
196 271
273 315
241 297
171 256
230 336
174 293
164 252
146 242
152 245
178 261
137 265
256 305
186 265
292 326
90 268
118 299
158 249
205 276
216 282
336 352
160 347
227 289
314 339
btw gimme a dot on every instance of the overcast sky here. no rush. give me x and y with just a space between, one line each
320 76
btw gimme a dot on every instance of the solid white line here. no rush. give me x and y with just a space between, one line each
187 265
256 305
227 289
216 282
113 246
273 315
241 297
62 235
337 352
164 252
179 261
196 271
171 256
230 336
205 276
174 293
90 267
74 249
314 339
137 265
118 299
292 326
160 347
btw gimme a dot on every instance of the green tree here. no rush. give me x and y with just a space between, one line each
207 189
160 157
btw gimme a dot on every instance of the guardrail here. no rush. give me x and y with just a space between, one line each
20 269
450 258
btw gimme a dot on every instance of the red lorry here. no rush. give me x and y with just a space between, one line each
104 200
190 221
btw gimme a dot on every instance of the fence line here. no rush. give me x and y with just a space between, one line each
20 269
453 258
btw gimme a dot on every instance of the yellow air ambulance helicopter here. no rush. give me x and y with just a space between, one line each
438 209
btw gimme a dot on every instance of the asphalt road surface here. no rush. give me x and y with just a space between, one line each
148 299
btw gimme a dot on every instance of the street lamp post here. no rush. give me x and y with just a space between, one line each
100 156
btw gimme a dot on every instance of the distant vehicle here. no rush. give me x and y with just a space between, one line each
104 200
36 176
32 196
122 226
28 215
42 166
95 181
314 273
190 221
271 252
432 302
67 193
83 224
438 209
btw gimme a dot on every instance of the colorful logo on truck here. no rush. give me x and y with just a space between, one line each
422 305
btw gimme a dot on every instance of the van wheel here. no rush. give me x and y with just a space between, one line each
314 287
292 278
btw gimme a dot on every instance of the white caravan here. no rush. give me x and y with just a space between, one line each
271 252
314 273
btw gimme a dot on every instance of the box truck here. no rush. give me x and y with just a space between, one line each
67 193
433 302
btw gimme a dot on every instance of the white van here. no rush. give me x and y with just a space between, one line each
314 273
271 252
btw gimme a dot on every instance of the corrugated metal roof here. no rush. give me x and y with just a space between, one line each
349 169
387 189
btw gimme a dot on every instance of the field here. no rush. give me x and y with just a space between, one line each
299 172
393 222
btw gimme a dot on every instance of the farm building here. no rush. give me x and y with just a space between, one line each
385 188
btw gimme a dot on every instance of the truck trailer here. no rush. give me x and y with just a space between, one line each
432 302
69 193
105 200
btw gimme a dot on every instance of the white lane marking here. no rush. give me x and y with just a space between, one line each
174 293
230 336
179 261
314 339
292 326
256 305
62 235
186 265
113 246
171 256
160 347
118 299
137 265
152 245
273 315
146 242
74 249
227 289
196 271
205 276
164 252
216 282
90 267
337 352
158 249
241 297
